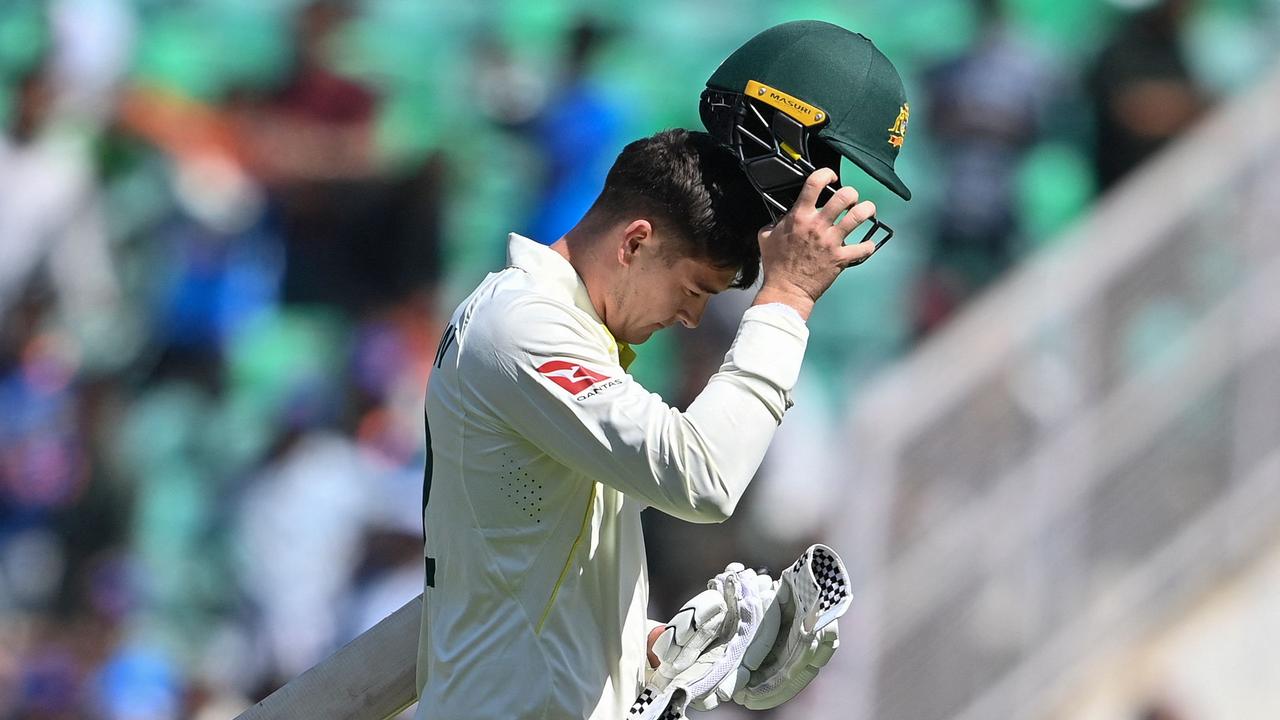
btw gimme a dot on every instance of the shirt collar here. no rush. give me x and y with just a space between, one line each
554 272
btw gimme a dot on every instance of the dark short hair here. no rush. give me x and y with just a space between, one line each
691 188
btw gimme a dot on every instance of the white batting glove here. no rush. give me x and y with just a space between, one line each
808 597
717 670
755 652
698 624
712 631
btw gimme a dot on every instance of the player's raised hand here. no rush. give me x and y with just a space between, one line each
804 252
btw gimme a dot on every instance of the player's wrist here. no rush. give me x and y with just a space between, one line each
793 297
653 637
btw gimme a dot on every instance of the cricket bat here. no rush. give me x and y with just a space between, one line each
373 677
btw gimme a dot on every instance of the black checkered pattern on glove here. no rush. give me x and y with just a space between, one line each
832 587
642 703
646 698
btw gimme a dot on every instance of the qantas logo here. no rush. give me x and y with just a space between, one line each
573 377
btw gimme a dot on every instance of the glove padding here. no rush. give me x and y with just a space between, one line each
781 633
786 673
704 643
805 603
755 653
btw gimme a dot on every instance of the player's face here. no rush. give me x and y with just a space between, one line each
661 291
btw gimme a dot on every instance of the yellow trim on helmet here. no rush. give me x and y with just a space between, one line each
804 113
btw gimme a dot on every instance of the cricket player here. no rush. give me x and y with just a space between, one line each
543 451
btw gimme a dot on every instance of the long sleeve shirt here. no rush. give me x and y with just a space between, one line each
542 453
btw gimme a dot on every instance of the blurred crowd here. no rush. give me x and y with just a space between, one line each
229 232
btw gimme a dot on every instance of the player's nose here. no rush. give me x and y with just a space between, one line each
691 317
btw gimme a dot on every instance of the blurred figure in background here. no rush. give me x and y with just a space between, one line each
986 109
318 124
55 272
577 135
58 282
357 233
1143 91
300 523
50 210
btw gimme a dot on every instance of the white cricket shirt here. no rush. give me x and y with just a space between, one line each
543 452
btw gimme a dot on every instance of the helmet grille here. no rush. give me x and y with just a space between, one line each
775 150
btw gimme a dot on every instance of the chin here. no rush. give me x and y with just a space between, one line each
638 338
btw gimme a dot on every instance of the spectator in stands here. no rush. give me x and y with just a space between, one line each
50 214
1143 90
357 234
577 136
986 109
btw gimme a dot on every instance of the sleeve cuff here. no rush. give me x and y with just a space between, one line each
770 344
780 310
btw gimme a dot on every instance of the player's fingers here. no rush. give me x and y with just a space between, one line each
857 215
851 255
841 201
818 179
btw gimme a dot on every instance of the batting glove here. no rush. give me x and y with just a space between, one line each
808 598
704 643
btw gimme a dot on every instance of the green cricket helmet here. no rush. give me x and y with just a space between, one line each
800 96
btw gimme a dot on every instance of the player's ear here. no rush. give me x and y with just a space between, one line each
637 235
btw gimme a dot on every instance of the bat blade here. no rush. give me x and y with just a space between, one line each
373 677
